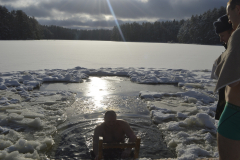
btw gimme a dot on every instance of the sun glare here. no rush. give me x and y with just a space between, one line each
97 89
107 17
144 1
115 18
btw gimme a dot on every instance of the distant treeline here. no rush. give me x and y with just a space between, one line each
16 25
56 32
198 30
149 32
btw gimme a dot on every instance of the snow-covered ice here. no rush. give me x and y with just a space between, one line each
64 54
186 118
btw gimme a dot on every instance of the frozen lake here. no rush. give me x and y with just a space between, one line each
163 91
50 54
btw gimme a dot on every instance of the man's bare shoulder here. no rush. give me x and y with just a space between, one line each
99 127
127 129
122 123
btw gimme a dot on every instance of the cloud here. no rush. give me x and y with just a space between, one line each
82 25
96 13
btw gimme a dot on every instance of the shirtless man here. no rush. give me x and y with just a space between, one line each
228 135
113 131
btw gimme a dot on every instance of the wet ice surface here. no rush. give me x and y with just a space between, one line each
48 122
101 86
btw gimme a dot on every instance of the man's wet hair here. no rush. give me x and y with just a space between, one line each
110 112
233 3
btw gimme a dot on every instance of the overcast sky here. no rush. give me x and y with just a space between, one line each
96 14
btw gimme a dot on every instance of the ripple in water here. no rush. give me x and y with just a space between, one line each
74 137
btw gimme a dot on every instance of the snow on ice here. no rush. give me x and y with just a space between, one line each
186 118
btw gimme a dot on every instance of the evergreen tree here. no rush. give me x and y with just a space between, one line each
5 23
200 29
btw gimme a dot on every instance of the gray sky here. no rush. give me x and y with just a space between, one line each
96 14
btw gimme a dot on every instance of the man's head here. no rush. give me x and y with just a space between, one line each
223 28
110 118
233 12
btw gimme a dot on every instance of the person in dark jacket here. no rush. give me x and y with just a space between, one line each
224 29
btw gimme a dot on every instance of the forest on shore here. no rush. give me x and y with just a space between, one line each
16 25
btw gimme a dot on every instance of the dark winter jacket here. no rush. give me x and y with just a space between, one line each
221 97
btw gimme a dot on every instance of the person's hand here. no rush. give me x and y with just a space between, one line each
126 153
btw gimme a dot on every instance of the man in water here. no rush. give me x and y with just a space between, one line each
113 131
228 73
224 30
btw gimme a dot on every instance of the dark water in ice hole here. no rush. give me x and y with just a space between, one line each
94 97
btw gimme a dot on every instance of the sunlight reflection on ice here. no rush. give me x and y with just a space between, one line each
98 89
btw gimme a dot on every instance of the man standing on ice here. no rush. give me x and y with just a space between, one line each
224 30
228 73
113 131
